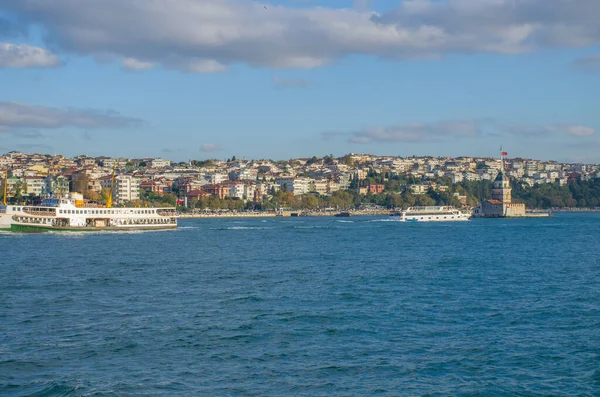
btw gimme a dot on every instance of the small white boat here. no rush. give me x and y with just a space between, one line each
433 214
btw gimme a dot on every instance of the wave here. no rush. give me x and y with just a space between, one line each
242 228
51 388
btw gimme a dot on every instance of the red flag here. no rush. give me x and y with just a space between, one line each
505 153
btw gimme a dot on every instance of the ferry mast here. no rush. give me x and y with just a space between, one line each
5 185
112 184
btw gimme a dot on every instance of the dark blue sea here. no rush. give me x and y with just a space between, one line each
305 307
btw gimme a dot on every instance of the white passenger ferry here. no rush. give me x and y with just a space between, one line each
433 214
69 214
62 214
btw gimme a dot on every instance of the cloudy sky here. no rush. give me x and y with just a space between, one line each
197 79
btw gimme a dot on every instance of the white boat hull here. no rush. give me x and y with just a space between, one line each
433 214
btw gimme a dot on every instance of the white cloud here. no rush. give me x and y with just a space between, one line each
26 56
574 130
416 132
590 63
136 64
19 116
206 36
210 147
281 83
455 129
196 65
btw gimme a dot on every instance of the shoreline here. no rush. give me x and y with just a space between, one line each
285 214
288 214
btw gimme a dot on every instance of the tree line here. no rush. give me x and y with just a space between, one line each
397 194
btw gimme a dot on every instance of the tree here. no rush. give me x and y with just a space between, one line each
20 190
309 201
347 160
105 194
80 183
93 195
312 160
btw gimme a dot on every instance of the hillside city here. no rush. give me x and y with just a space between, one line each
306 183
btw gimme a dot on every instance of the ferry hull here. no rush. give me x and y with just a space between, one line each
438 213
435 220
5 222
41 229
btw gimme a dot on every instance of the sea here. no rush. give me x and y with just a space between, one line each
307 306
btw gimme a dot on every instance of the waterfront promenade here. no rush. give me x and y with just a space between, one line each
269 214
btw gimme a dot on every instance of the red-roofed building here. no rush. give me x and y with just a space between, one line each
218 190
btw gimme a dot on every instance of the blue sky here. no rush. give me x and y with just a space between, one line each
197 79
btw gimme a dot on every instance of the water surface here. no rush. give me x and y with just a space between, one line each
305 306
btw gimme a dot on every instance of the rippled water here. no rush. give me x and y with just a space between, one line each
305 306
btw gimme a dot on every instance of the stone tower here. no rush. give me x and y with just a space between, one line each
501 190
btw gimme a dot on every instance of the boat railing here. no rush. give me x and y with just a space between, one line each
166 212
40 211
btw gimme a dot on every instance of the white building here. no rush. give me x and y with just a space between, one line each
215 177
236 189
298 186
320 186
126 188
35 185
419 189
160 163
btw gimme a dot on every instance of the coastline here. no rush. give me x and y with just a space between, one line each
576 210
272 214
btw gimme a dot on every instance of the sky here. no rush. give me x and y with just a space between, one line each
200 79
